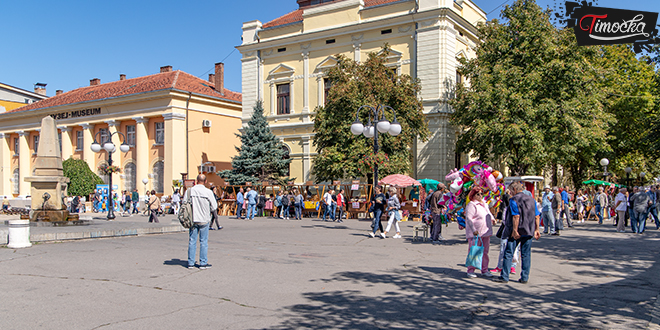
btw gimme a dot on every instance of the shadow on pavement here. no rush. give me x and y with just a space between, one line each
176 262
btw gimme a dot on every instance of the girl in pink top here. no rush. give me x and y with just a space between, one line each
478 221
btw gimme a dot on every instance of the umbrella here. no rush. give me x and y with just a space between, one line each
429 184
399 180
599 183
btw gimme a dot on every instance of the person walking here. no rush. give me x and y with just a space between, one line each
176 201
147 198
328 201
286 201
214 217
579 205
436 213
203 204
548 216
393 206
278 205
298 203
251 197
378 205
556 207
153 206
641 203
521 224
621 205
96 201
239 203
478 223
341 205
600 201
135 197
565 207
653 209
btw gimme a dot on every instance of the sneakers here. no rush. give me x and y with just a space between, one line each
471 275
191 267
496 270
487 274
383 235
207 266
500 280
521 281
396 236
440 238
372 234
513 270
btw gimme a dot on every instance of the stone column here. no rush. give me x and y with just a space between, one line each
5 165
307 160
291 97
320 90
273 99
24 154
67 145
175 149
305 108
141 152
356 51
117 157
88 139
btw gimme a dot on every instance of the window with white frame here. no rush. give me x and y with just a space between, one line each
283 99
79 140
103 136
130 135
160 133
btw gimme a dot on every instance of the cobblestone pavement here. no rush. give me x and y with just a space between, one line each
286 274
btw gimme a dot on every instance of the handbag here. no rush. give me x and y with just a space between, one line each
475 254
499 231
612 212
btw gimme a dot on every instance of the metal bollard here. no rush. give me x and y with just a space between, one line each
19 234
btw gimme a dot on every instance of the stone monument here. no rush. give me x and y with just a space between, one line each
48 184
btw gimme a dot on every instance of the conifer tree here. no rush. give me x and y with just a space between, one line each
260 156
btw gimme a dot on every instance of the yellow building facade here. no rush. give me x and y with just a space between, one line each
174 122
284 64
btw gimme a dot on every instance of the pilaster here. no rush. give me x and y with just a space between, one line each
88 139
141 151
5 165
24 154
67 146
307 160
175 148
305 108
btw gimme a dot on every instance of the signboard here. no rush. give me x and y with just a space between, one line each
104 190
355 185
190 183
76 113
336 183
248 183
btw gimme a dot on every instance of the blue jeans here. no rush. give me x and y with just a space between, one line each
548 222
96 206
599 213
654 213
203 231
377 214
298 209
525 256
329 211
135 207
639 222
285 211
239 210
251 211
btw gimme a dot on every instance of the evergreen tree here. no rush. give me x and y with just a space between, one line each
260 156
82 181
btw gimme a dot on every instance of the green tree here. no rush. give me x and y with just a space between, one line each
531 99
82 181
261 156
344 155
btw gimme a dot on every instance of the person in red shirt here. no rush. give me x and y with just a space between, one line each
341 204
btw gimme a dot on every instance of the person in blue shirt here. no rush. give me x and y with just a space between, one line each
546 209
653 209
565 208
239 203
251 197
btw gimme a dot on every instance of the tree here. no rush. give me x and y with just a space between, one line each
531 99
261 156
82 181
344 155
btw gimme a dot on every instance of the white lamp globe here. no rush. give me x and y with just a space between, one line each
109 146
357 128
628 170
95 147
395 129
145 180
124 147
383 126
604 162
369 131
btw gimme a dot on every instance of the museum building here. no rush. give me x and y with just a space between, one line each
285 61
174 122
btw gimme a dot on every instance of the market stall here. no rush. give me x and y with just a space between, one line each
357 198
412 208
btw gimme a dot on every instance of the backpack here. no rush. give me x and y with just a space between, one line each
186 212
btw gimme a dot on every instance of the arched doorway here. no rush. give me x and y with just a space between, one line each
130 177
158 176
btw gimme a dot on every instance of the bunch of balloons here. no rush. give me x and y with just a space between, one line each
475 173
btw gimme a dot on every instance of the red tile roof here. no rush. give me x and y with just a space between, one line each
297 15
161 81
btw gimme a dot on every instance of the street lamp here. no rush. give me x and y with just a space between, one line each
642 176
110 148
628 170
381 125
604 162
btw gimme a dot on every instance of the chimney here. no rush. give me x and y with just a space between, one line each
212 78
167 68
122 77
58 92
95 82
220 78
40 88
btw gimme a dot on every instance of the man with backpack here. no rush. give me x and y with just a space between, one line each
203 205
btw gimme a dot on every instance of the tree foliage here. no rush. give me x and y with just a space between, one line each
82 181
344 155
261 156
532 99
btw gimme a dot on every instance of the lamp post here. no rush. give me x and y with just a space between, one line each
604 162
381 124
642 176
110 148
628 170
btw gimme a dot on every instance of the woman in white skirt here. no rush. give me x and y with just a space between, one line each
393 206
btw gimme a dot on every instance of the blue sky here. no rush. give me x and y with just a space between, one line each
67 43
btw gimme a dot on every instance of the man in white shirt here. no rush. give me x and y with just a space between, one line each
328 200
203 205
620 205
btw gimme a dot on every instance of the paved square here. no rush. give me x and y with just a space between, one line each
279 274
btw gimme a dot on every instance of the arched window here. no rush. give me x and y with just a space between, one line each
130 177
158 172
287 151
16 181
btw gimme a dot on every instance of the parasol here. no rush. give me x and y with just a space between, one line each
399 180
429 184
599 183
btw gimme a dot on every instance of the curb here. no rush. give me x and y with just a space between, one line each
51 237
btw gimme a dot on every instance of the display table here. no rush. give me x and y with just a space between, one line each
413 208
353 211
227 207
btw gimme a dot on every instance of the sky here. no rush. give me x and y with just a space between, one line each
67 43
